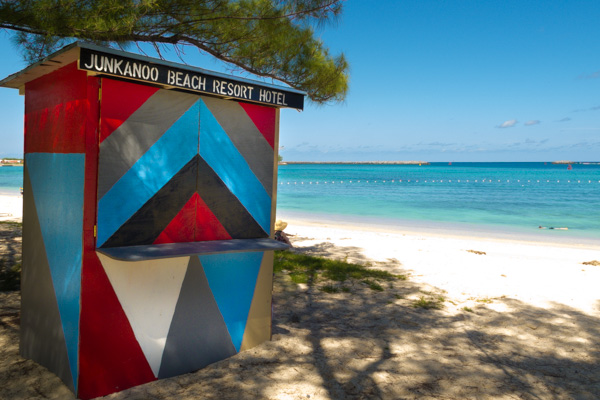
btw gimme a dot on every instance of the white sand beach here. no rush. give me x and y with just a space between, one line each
11 207
519 319
536 270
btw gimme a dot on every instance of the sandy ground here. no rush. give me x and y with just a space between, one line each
521 321
11 208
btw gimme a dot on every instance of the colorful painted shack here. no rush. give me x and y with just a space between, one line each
149 206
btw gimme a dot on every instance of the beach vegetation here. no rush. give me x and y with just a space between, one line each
14 224
330 289
429 302
10 255
274 39
595 263
373 285
468 309
10 275
303 268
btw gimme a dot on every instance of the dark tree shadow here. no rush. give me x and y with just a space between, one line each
10 255
378 345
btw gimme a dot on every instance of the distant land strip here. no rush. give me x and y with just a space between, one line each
358 162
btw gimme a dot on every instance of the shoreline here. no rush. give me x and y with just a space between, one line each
550 237
540 273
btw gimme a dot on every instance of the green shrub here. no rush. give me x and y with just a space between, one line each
307 269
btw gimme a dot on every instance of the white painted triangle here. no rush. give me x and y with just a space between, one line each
148 292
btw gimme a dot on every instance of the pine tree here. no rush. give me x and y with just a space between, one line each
269 38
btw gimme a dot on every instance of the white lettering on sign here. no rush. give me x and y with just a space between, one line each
190 81
232 89
109 64
272 96
113 66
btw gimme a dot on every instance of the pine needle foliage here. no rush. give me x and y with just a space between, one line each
268 38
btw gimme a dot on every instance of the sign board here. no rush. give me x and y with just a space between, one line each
186 79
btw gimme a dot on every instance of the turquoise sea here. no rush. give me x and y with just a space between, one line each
507 197
11 179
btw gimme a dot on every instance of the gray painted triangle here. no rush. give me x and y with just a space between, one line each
198 335
246 137
123 148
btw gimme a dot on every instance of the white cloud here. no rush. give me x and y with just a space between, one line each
593 75
508 124
532 122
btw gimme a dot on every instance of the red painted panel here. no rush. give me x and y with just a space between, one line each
264 119
181 228
119 100
55 111
110 358
208 226
194 222
91 164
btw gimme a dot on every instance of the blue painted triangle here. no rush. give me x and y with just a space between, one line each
153 170
232 280
220 153
57 182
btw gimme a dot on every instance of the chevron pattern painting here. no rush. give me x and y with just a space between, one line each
176 167
111 164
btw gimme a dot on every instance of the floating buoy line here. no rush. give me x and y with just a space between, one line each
380 181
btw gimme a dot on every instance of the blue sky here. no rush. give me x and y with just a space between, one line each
437 81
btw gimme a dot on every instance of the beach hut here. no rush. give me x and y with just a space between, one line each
149 208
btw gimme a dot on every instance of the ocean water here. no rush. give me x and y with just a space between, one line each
511 197
507 197
11 179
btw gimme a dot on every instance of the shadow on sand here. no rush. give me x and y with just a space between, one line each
375 345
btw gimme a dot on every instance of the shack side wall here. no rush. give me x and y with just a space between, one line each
57 107
104 325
